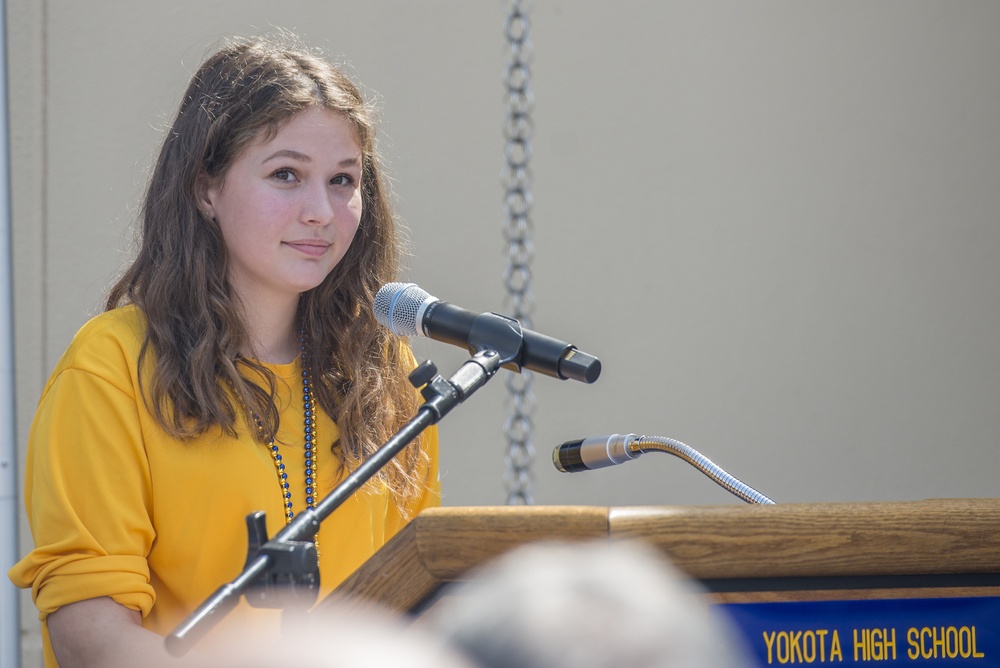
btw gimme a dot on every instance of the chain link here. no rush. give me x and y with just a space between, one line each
518 129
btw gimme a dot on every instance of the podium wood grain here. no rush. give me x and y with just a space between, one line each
939 537
843 539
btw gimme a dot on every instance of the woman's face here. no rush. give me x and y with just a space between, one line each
289 207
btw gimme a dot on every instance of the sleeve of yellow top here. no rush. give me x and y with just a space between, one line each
88 496
431 495
431 473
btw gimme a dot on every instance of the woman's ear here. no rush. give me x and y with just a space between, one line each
205 193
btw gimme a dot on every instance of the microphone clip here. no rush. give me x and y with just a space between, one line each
552 357
502 335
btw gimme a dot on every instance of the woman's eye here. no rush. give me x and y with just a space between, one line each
342 180
286 175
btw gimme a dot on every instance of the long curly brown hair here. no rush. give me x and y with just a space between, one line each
195 335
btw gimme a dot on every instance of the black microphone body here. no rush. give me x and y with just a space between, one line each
408 310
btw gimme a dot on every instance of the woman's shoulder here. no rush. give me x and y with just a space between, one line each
125 323
111 338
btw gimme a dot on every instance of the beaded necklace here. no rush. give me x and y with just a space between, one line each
309 430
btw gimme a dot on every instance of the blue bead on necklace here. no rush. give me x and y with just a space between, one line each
309 430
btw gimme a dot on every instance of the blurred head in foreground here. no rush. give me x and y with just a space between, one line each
584 605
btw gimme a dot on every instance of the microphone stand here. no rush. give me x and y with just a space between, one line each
285 569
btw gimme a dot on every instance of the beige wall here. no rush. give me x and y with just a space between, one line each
777 223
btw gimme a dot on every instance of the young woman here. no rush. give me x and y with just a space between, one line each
238 367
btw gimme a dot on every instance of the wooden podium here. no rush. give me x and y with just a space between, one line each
947 548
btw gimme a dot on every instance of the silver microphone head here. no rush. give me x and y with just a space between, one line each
401 306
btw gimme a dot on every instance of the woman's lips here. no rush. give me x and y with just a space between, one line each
312 247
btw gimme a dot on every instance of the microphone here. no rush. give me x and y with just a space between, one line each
407 310
595 452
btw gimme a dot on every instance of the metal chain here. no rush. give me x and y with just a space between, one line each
517 232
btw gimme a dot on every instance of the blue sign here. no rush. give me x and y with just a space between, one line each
897 632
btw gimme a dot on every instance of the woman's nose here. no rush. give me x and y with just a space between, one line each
317 207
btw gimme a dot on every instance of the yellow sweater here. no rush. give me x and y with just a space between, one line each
118 508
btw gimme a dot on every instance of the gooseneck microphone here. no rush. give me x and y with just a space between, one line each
408 310
595 452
